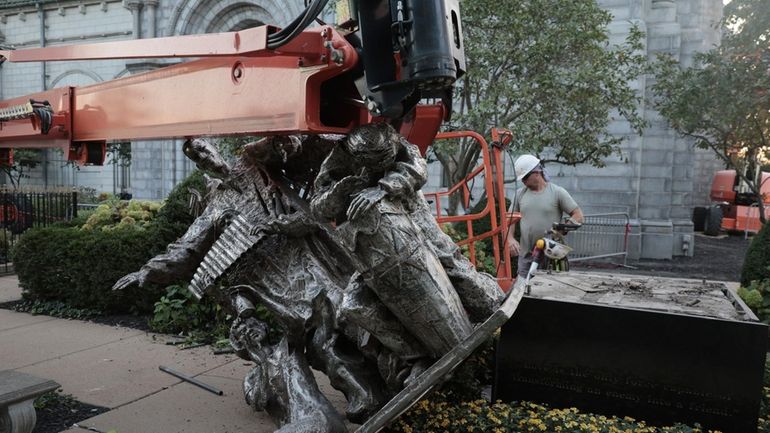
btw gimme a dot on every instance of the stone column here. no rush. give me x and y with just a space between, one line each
152 17
135 6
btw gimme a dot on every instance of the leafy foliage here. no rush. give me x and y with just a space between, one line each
757 261
722 102
484 250
480 416
116 213
485 261
175 210
755 277
24 160
748 21
78 264
178 312
231 147
545 70
54 398
55 309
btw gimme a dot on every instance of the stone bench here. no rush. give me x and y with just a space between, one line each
17 393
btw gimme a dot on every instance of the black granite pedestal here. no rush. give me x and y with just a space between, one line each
659 366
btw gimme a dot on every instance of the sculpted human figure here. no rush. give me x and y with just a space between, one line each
369 186
293 276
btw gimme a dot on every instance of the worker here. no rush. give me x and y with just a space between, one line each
541 203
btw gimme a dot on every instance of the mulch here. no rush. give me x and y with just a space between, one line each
59 417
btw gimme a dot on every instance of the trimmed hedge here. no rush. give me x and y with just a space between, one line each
79 267
757 261
78 263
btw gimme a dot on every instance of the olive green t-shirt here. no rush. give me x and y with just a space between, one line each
539 210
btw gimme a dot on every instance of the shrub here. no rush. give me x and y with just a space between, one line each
116 213
757 297
178 312
79 267
484 262
176 210
78 262
756 265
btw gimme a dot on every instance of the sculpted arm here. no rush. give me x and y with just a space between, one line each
180 259
409 173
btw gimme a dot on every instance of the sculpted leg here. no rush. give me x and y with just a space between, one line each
479 292
282 383
362 307
331 352
294 400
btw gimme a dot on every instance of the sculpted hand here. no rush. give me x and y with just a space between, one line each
349 184
363 201
134 278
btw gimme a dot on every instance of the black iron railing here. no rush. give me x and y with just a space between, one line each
22 210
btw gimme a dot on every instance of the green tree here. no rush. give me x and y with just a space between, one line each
723 102
23 161
544 69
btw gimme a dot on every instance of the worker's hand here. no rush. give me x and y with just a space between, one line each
363 201
514 247
138 278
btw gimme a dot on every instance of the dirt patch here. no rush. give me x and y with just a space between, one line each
715 258
57 412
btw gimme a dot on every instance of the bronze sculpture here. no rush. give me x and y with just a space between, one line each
370 301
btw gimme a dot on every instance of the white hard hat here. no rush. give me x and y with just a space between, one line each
523 165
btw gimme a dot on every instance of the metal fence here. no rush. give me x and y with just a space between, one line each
22 210
602 236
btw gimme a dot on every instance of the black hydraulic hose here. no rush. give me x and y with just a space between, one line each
286 30
311 12
293 29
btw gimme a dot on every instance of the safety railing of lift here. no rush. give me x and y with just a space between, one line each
500 220
602 236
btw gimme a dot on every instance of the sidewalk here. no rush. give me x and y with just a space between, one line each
117 368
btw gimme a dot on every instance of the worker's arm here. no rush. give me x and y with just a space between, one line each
513 244
576 216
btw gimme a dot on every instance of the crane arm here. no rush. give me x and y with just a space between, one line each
259 81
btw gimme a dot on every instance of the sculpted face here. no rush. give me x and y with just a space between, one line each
374 146
206 157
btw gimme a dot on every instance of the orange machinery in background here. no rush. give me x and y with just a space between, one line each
736 207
